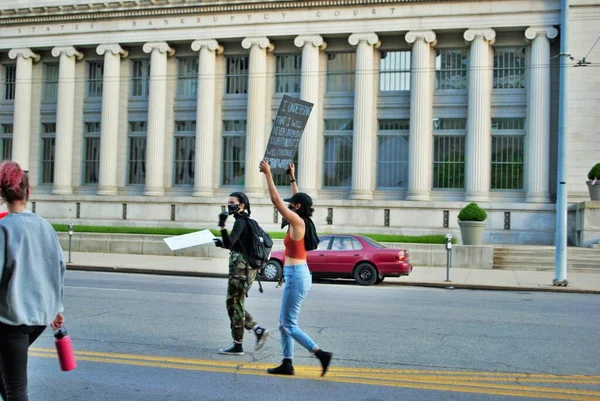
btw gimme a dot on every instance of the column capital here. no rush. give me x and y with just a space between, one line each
533 31
311 40
427 36
261 41
23 52
162 47
488 34
369 37
70 51
114 48
210 44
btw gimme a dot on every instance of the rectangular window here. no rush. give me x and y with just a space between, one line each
91 160
392 153
508 150
449 153
137 153
237 74
6 134
451 69
185 152
95 73
509 68
340 72
394 71
140 79
234 153
48 143
187 77
337 160
288 73
51 83
10 79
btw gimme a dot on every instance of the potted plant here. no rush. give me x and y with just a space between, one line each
594 182
471 221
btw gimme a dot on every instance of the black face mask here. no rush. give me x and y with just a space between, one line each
284 222
233 209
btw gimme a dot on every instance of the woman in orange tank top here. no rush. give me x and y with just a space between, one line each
300 238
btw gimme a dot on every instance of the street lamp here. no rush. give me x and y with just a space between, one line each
70 237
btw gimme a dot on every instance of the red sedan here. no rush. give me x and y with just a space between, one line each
348 256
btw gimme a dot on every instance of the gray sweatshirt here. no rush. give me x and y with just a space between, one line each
32 270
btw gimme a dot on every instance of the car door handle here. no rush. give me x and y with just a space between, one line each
321 254
356 254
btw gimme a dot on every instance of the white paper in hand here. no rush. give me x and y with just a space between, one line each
189 240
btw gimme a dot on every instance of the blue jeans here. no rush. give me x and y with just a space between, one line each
298 281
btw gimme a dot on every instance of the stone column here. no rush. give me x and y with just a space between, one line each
309 90
107 180
538 119
157 107
65 107
205 115
479 140
364 98
420 143
257 100
22 111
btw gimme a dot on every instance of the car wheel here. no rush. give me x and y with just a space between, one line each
380 280
365 274
272 270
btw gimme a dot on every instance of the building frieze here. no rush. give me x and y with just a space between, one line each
162 8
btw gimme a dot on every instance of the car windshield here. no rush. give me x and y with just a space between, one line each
373 242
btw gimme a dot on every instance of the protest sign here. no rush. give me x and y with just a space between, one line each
189 240
287 130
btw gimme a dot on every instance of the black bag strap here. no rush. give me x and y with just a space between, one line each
260 288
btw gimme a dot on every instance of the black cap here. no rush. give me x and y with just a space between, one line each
300 198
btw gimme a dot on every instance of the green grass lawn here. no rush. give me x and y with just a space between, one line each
420 239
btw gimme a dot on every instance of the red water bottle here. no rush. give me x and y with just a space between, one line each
64 349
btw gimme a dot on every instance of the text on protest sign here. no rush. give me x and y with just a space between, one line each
287 131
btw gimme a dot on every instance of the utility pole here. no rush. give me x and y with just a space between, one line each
560 276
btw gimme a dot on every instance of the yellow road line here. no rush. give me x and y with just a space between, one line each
426 382
450 373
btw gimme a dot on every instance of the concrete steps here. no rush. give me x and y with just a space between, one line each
541 258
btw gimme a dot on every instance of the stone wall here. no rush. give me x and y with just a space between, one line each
423 255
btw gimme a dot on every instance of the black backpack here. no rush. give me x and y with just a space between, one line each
259 252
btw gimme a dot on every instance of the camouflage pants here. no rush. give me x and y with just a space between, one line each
238 284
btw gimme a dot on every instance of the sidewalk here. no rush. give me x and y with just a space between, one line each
484 279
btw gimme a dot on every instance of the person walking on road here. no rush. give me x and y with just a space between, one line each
241 275
300 238
32 270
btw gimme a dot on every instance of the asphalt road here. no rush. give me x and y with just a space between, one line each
149 338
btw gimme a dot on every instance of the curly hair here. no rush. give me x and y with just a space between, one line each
14 182
305 211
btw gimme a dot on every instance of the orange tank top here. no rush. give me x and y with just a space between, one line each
294 249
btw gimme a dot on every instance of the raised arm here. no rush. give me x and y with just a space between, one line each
287 214
292 173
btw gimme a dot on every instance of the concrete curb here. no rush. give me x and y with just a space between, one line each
456 286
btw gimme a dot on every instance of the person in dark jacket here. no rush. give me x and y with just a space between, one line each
241 275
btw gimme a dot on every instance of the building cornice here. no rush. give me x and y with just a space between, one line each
155 8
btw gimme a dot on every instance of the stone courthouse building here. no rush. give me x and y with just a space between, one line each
150 112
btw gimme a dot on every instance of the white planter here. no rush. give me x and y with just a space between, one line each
594 190
471 232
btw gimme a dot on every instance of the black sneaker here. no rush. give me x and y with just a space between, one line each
286 368
325 358
233 349
261 337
